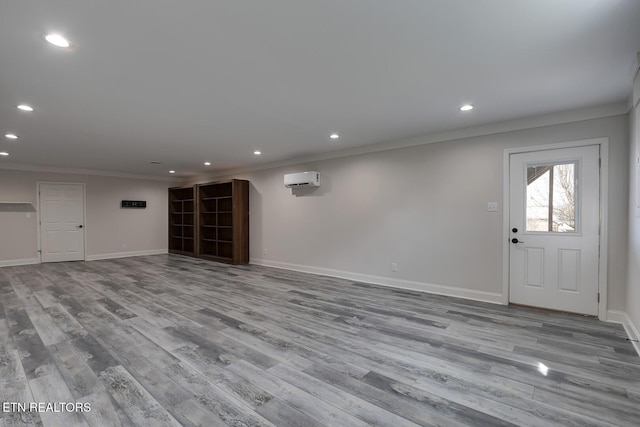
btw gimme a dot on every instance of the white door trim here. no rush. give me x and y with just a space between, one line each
604 208
38 210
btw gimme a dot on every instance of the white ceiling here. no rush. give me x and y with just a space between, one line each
189 81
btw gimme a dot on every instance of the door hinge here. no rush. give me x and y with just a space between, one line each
598 296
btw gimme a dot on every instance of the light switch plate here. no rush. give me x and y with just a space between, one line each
492 207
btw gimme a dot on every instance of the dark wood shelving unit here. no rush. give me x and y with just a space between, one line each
219 229
182 208
223 221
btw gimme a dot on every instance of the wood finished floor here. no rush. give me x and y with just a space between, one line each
167 340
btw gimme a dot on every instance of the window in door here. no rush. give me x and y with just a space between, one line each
552 198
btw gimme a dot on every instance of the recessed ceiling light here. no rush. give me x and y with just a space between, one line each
25 107
207 163
3 153
257 153
57 40
155 162
334 136
466 107
11 136
172 171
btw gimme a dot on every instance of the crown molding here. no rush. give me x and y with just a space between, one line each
550 119
49 169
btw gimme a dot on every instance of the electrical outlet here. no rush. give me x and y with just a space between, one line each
492 207
394 266
264 252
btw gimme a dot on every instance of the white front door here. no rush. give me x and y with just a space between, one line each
554 229
62 222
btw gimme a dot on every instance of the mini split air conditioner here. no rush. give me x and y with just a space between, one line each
302 179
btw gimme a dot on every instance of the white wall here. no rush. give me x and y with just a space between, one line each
110 230
18 234
633 284
424 207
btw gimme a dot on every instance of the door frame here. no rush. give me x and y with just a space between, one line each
604 208
39 219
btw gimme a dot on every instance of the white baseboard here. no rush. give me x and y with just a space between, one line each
495 298
29 261
616 316
126 254
14 262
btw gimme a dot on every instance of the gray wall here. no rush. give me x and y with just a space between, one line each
633 285
110 231
424 207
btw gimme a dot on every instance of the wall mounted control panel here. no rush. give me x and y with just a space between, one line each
141 204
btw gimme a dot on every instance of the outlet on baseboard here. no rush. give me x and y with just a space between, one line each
264 252
394 266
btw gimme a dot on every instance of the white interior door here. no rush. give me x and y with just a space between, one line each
62 222
554 229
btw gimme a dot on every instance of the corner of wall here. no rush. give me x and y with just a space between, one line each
615 316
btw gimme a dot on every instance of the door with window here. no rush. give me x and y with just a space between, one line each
554 229
61 222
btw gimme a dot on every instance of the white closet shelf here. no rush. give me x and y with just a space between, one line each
16 207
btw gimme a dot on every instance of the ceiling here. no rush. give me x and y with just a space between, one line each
184 82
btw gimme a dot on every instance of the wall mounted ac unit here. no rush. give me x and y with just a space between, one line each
302 179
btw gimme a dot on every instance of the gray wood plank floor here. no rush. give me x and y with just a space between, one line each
167 340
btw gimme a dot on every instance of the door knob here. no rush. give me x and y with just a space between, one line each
514 240
515 230
79 226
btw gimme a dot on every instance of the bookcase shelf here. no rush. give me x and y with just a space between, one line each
219 229
182 220
223 221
